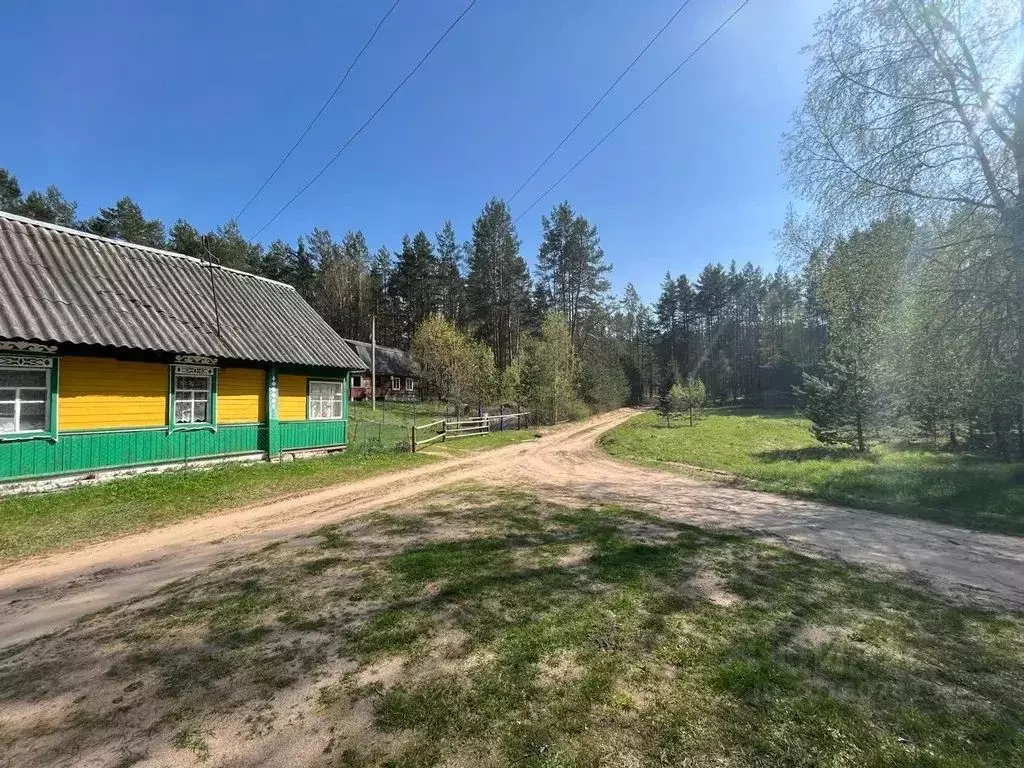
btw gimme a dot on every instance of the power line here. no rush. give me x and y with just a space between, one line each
369 120
635 109
597 103
320 112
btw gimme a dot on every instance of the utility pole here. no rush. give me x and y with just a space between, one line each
373 363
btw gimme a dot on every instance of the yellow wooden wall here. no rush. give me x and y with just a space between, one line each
291 398
241 395
102 393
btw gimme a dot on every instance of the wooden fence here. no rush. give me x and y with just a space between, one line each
450 429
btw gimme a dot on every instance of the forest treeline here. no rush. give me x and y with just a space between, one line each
900 310
884 312
736 328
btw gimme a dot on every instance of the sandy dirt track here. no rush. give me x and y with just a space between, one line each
46 594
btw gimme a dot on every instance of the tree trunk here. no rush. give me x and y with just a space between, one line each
952 434
1020 432
860 433
1017 230
999 429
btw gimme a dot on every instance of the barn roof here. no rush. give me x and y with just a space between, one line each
61 285
390 361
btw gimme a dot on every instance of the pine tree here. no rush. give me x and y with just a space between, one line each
838 402
450 286
229 248
125 221
303 269
49 206
10 192
413 285
571 264
498 283
277 261
185 239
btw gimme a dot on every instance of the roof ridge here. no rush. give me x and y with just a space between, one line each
379 346
129 244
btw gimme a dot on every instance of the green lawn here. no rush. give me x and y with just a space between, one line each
37 523
463 445
389 424
493 629
776 452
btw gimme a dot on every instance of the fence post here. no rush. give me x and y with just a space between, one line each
501 418
413 444
444 431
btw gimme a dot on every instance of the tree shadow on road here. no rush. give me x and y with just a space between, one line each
495 627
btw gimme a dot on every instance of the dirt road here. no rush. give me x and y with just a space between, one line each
47 594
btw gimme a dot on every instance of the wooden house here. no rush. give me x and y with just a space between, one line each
398 375
115 355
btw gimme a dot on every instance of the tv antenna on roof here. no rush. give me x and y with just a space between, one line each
213 288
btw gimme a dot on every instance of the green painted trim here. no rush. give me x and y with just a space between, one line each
209 426
170 398
178 462
108 430
273 424
21 437
50 433
79 452
314 433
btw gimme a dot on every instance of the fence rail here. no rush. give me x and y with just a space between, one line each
473 427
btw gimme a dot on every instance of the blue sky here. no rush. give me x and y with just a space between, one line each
187 106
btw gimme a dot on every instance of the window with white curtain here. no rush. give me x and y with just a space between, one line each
325 399
192 399
24 400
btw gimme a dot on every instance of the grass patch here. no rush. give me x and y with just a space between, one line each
36 523
507 631
465 445
389 425
772 452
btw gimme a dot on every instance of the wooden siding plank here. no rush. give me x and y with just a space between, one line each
241 395
104 393
291 398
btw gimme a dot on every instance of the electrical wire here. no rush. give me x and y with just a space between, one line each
597 103
635 109
368 120
316 117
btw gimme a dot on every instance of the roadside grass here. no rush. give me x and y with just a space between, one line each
491 628
464 445
389 424
35 523
776 452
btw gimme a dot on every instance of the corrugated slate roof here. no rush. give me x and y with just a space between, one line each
60 285
390 361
